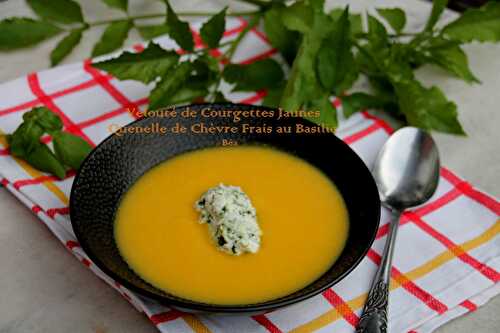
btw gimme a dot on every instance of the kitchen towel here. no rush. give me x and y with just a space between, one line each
447 257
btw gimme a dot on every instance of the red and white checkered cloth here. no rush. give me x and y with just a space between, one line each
447 259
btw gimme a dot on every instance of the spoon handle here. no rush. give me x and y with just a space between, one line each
374 317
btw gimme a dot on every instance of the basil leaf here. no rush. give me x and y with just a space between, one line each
112 38
45 118
455 61
65 46
355 20
328 113
286 41
384 91
204 72
19 32
350 77
377 33
62 11
119 4
297 17
211 31
35 123
16 146
179 30
273 96
356 23
394 16
25 138
395 64
427 108
258 75
44 160
145 66
206 69
170 83
188 93
448 55
438 7
151 31
359 101
335 57
481 24
70 149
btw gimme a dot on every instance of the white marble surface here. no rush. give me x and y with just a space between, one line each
44 289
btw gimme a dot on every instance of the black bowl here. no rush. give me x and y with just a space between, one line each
113 167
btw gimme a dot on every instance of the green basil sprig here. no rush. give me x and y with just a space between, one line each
69 150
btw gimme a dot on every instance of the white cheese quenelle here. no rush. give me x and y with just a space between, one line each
231 219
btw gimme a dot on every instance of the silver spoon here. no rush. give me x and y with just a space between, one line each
407 174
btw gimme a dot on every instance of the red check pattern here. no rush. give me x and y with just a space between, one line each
338 308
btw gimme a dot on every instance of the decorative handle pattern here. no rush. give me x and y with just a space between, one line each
374 318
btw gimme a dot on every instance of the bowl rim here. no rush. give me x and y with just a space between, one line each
192 305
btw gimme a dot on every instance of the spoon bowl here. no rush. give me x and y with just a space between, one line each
407 169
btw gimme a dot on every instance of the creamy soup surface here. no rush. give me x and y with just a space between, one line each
303 219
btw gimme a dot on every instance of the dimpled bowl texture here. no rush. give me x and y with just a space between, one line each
113 167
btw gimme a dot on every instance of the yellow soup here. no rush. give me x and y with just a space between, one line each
300 212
